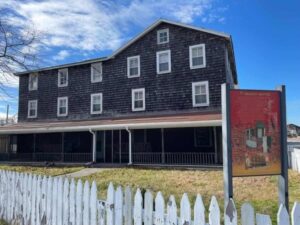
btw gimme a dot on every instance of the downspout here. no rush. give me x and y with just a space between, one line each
94 144
130 146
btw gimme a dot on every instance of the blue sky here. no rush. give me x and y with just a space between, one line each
266 34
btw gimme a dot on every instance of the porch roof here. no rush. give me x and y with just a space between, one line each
175 121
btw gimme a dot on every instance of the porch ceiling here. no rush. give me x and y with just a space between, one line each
191 120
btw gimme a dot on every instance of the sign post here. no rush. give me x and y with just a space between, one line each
283 177
227 151
254 137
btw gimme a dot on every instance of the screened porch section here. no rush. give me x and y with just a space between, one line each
159 146
172 146
177 146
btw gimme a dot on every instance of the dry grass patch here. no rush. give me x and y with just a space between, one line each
260 191
49 171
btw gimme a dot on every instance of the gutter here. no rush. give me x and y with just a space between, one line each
206 123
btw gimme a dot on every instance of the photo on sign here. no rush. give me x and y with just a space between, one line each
255 132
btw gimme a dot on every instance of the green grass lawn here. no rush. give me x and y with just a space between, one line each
49 171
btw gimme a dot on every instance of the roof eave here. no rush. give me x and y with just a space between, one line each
62 66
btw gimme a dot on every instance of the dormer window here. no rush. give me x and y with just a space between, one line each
33 82
63 77
133 66
96 72
163 36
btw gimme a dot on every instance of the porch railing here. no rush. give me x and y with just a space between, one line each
175 158
48 157
171 158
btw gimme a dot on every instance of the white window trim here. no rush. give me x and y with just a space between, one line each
37 81
101 72
67 106
207 93
128 66
204 56
58 81
132 99
157 62
28 108
92 97
158 36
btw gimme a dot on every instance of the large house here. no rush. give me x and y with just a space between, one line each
156 100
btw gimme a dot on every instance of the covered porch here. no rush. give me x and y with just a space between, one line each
177 140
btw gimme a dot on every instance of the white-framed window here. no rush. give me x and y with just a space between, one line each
62 106
200 91
163 62
96 72
163 36
32 108
96 103
138 99
33 82
133 66
63 77
197 56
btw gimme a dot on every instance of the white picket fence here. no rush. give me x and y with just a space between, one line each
294 157
27 199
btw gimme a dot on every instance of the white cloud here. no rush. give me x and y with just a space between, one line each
9 80
61 55
98 25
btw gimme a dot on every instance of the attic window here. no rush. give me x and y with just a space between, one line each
163 36
197 56
62 77
33 82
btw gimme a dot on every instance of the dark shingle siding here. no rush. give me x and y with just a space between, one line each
165 93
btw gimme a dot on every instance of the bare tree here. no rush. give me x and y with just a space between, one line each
18 50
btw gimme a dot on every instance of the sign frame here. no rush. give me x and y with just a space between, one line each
227 147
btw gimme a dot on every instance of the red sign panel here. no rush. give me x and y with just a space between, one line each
255 132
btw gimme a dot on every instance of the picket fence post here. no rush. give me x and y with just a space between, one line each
199 211
214 212
172 211
247 214
72 200
296 214
128 206
137 208
118 206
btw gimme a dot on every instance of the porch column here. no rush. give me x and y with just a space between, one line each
162 145
215 145
62 146
130 146
94 134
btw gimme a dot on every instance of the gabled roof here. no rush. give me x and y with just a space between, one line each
147 30
158 22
